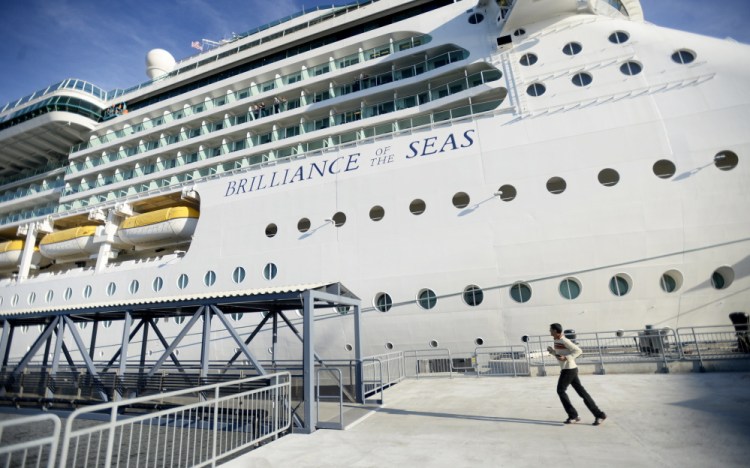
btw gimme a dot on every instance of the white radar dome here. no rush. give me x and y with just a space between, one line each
159 62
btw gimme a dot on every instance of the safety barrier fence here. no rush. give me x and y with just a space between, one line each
381 371
29 441
194 427
663 346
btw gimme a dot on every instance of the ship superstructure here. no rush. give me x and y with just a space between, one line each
473 170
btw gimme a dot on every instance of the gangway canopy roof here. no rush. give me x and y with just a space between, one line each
238 301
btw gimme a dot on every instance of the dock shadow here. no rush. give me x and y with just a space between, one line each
400 412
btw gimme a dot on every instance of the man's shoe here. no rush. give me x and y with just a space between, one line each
599 421
572 420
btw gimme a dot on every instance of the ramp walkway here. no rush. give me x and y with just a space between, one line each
668 420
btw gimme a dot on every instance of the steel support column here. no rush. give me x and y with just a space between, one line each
308 363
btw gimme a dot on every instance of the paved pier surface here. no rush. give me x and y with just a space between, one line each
676 420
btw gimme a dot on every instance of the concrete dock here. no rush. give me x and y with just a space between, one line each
672 420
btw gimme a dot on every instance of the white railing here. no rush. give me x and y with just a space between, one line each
381 371
35 450
713 343
193 427
428 362
501 360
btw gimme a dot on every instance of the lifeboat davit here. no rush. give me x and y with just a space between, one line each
159 228
74 242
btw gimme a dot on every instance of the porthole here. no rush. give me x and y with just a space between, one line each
433 344
343 310
157 284
271 230
417 207
236 316
389 346
183 281
572 48
608 177
107 323
722 278
83 325
726 160
664 169
1 300
556 185
507 193
476 18
134 287
179 319
520 292
377 213
427 299
87 291
303 225
473 295
536 89
32 298
519 32
582 79
210 278
631 68
14 300
383 302
238 275
270 271
348 347
528 60
619 37
684 56
25 330
111 289
48 298
339 219
671 281
68 293
620 284
461 200
479 341
570 288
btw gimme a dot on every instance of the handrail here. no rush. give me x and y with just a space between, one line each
327 425
229 422
31 452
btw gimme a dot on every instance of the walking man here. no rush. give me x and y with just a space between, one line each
566 352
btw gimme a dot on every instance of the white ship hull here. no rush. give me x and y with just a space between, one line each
633 225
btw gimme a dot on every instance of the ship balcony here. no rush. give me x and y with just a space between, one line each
194 130
295 140
252 91
30 195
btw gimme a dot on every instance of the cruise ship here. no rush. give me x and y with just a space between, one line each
472 170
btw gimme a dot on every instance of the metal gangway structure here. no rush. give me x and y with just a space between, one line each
58 370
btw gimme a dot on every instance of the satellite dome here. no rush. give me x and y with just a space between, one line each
159 62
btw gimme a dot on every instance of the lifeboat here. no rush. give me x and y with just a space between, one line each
74 242
11 253
161 227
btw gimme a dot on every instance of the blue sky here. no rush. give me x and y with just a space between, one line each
45 41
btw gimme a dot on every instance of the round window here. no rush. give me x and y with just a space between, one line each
684 56
570 288
238 275
506 193
383 302
270 271
536 89
417 207
427 299
461 200
556 185
619 284
303 225
473 295
572 48
664 169
582 79
619 37
271 230
631 68
377 213
520 292
528 59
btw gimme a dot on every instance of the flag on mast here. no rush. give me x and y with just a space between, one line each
197 45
